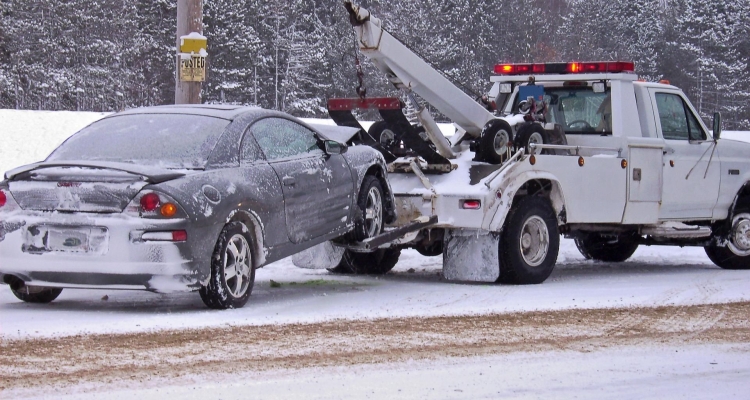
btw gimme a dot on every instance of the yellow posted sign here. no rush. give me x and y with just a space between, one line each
193 68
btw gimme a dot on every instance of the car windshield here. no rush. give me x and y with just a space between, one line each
176 141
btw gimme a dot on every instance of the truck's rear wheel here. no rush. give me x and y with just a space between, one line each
736 254
529 242
378 262
597 247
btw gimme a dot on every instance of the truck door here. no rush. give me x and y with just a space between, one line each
691 175
318 188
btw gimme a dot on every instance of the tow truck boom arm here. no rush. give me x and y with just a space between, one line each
407 70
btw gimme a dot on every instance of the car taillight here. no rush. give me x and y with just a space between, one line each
168 210
150 202
3 198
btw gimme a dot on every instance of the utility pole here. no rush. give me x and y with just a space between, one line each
189 19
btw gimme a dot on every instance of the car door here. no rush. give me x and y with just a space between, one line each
318 188
691 172
262 196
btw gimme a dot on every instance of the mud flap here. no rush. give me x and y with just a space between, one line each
322 256
471 256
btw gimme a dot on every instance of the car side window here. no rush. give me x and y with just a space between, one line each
249 150
677 121
281 138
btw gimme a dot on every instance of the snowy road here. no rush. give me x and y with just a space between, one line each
654 276
600 334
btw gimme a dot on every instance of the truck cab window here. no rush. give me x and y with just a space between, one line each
676 119
578 109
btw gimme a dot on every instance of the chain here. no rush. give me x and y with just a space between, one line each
361 89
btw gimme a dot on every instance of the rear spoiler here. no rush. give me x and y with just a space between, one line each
152 174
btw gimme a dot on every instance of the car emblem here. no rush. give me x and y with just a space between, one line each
68 184
72 242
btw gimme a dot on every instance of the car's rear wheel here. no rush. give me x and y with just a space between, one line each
232 269
35 294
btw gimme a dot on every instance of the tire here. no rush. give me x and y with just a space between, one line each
371 204
234 249
432 250
379 262
724 258
525 259
381 132
531 133
497 138
594 246
736 253
35 294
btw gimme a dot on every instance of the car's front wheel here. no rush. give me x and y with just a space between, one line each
35 294
232 269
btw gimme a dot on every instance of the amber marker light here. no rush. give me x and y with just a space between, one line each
581 161
624 164
532 159
168 210
671 163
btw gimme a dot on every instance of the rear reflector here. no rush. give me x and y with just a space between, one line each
170 236
471 204
3 198
380 103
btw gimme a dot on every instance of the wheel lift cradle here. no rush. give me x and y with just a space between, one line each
468 254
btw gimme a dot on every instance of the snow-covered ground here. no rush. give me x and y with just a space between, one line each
655 276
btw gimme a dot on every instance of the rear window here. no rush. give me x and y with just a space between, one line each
578 109
166 140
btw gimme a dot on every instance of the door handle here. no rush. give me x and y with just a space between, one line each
288 181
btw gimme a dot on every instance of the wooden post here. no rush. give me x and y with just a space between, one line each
189 19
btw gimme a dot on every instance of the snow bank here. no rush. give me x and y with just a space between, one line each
29 136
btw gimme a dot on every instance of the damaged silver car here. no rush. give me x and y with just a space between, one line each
185 198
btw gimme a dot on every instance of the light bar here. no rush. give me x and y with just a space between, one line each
612 67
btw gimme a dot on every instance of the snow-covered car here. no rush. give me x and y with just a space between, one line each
185 198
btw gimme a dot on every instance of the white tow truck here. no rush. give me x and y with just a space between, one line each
582 149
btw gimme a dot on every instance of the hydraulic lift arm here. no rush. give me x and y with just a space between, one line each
409 72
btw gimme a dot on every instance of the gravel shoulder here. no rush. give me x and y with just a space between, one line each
48 365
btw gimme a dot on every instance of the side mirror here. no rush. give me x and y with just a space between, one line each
717 126
334 147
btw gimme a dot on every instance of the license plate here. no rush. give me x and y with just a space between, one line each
93 240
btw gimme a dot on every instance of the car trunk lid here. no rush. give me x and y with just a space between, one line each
81 187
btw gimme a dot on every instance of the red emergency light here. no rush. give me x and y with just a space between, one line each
612 67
